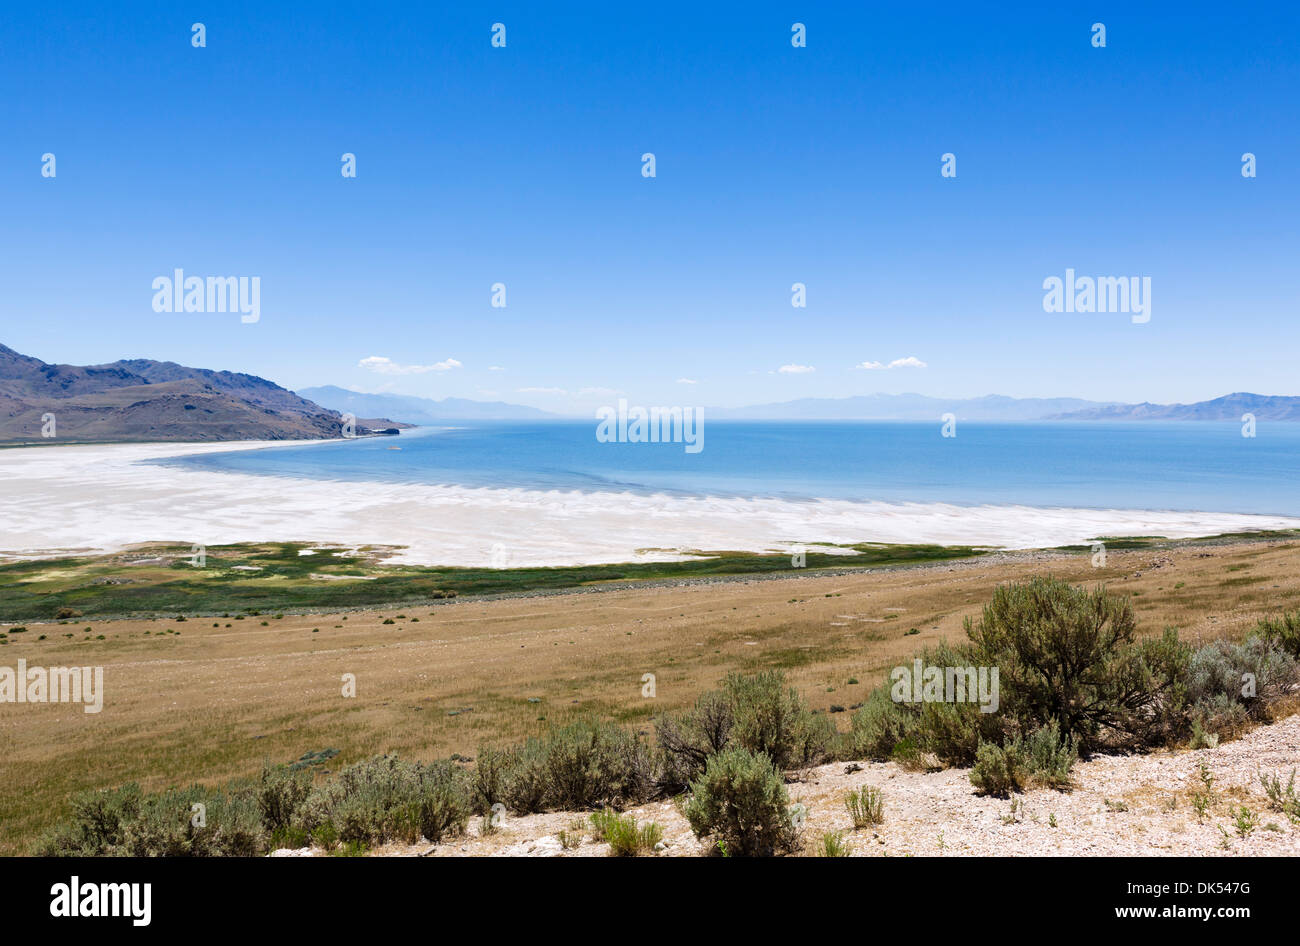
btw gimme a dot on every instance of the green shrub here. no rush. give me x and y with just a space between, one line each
590 764
913 758
166 825
1283 632
1049 758
1220 715
1044 758
770 717
998 770
1281 797
601 821
94 828
281 791
760 713
1070 655
1217 676
584 764
384 798
325 836
834 845
740 800
866 806
625 838
522 777
881 724
127 822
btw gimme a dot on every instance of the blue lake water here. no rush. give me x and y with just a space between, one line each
1207 467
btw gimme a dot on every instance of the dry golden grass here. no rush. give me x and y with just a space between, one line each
214 702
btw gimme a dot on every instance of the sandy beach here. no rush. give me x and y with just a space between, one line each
102 498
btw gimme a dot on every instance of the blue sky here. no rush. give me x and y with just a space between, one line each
775 165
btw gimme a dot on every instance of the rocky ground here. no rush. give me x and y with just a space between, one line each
1120 805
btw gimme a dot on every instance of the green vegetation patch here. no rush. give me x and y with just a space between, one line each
276 577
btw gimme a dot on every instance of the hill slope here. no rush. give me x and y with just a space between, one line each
151 400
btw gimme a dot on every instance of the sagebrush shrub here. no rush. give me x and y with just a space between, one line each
758 712
1283 632
741 801
126 822
1049 757
1070 655
280 792
686 740
584 764
384 798
590 764
881 724
998 770
1250 674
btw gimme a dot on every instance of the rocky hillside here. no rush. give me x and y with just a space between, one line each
150 400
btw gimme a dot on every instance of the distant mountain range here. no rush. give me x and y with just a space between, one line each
420 410
907 407
1229 407
152 400
901 407
917 407
139 400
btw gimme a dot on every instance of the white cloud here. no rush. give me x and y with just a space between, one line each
382 365
598 392
908 362
796 369
540 391
495 368
687 381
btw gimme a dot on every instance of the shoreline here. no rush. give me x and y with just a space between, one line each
102 499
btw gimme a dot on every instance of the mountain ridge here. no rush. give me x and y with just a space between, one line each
144 400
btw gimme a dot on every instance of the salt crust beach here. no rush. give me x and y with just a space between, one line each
103 498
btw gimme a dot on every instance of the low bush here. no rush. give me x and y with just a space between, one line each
1049 757
384 798
740 800
584 764
1282 797
189 822
281 791
882 724
589 764
758 712
998 770
624 836
1228 682
1045 758
866 806
834 845
1282 632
